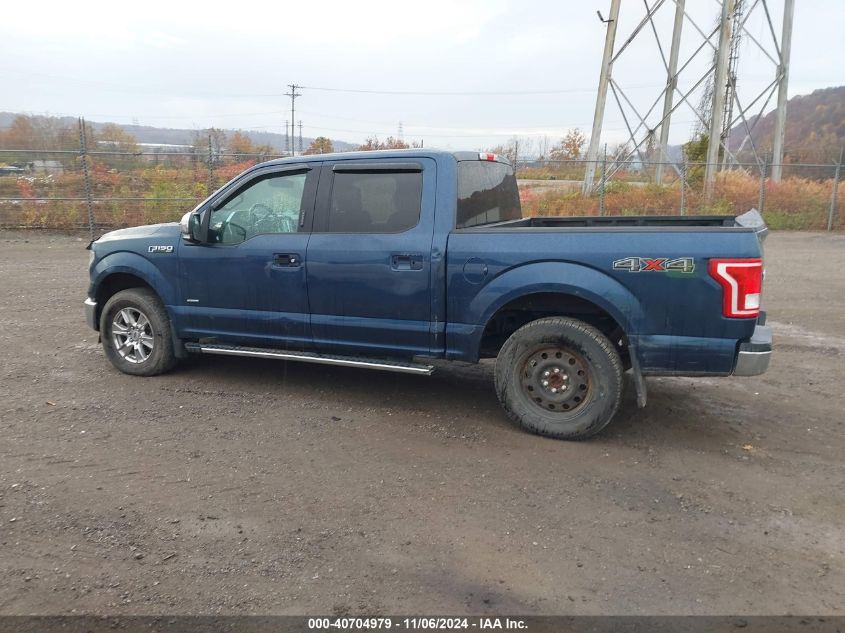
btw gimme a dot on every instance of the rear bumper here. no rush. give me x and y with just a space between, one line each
754 355
91 313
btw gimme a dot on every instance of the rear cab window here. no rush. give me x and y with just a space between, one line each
487 193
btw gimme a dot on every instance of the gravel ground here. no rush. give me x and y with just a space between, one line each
251 486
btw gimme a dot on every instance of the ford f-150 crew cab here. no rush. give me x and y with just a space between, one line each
385 260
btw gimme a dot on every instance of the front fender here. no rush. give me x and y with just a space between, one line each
133 264
550 277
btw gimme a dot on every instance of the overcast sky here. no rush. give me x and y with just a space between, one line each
192 64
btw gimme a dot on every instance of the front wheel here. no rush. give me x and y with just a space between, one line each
559 377
135 330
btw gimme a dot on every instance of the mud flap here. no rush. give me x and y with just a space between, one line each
639 379
179 350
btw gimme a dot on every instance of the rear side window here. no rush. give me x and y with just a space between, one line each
375 202
487 193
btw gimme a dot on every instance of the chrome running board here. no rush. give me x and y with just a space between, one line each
311 357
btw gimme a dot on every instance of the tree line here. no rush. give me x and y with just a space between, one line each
43 133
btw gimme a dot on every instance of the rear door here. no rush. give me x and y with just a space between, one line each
369 257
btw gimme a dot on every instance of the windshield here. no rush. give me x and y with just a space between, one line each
487 193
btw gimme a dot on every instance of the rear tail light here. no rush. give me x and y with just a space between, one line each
488 156
741 281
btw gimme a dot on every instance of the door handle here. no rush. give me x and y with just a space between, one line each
406 261
287 260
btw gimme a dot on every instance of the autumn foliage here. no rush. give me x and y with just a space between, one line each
793 203
372 143
320 145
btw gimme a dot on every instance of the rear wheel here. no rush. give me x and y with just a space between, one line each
135 331
559 377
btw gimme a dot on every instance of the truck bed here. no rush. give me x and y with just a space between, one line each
621 221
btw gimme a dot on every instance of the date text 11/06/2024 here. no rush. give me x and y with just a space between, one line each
416 623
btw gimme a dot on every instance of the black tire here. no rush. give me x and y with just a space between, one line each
155 332
570 358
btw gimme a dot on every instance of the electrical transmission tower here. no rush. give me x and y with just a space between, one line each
720 109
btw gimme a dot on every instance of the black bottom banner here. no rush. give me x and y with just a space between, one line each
371 624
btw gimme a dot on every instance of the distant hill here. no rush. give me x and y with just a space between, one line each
815 127
182 136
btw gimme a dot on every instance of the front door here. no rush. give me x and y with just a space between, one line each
247 284
369 257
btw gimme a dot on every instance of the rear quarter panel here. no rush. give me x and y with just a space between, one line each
674 320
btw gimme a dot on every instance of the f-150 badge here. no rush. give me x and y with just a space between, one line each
161 249
655 264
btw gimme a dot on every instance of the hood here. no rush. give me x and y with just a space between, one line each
169 229
138 239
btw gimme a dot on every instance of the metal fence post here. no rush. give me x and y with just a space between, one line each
833 193
210 185
684 187
86 177
603 180
764 168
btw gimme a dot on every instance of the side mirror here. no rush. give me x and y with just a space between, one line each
191 228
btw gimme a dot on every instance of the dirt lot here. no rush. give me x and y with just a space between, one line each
247 486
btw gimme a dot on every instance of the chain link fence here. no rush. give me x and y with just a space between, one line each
807 196
98 189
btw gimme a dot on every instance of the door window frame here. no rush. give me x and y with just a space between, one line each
247 179
378 166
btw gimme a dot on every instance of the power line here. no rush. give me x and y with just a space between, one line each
150 116
112 87
422 93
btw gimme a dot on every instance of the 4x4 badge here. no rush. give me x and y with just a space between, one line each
655 264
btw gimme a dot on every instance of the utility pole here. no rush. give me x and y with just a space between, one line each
717 114
83 153
300 136
671 83
832 213
783 81
601 98
293 94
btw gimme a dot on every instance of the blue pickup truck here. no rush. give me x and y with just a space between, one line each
387 260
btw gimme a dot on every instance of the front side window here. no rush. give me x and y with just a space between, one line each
379 202
487 193
269 205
